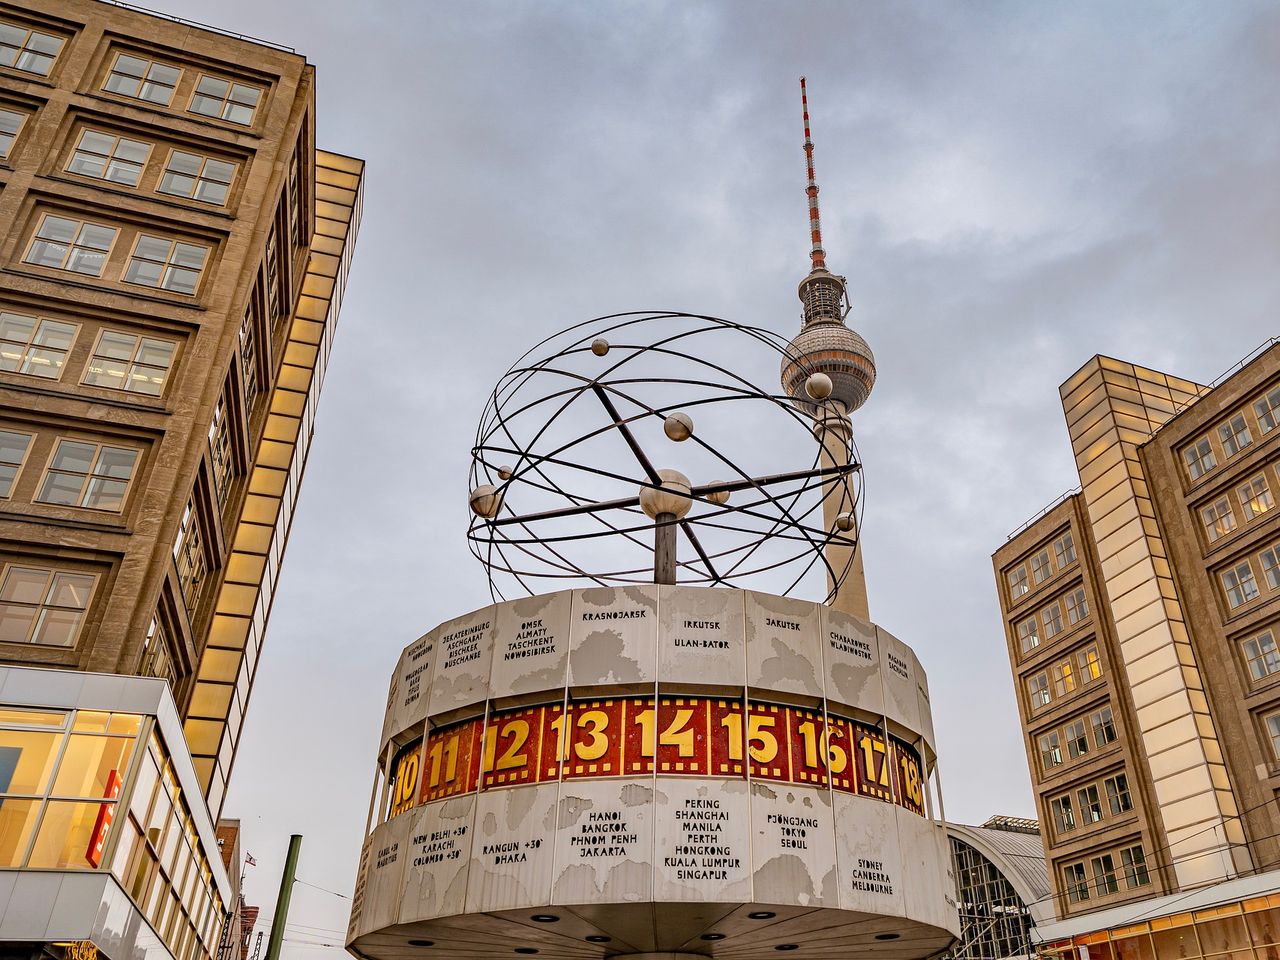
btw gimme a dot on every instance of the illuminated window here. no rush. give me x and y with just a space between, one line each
1077 742
249 355
1064 678
1018 585
1135 867
1051 750
1239 584
1271 567
1040 567
135 364
1038 690
34 347
1064 550
107 157
1218 519
89 475
1028 635
1090 804
41 605
166 264
1077 882
1104 874
1255 498
28 50
197 178
1064 818
188 556
1199 458
1234 435
225 100
142 79
1266 410
1077 607
11 122
1090 664
1273 732
1262 656
1051 616
1118 799
220 451
13 452
1104 727
73 245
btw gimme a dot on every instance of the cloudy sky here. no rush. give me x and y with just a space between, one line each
1010 188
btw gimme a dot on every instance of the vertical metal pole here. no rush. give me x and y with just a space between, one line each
664 548
282 900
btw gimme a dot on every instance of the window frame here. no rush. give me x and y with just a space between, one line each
1077 743
1119 795
117 140
226 99
23 48
1054 749
30 344
1262 655
1076 883
1056 621
93 352
37 620
1089 664
167 265
100 448
71 245
1234 571
1211 519
1032 635
1265 412
1229 435
1098 723
21 464
1062 814
1018 577
205 160
1133 865
1041 570
24 116
1255 497
150 61
1037 687
1194 458
1271 726
1077 604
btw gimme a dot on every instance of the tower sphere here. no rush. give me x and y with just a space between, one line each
831 348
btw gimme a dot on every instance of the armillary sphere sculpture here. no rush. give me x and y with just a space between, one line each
629 449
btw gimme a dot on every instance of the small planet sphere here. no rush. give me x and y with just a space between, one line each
678 427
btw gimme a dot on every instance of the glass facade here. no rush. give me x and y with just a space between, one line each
994 921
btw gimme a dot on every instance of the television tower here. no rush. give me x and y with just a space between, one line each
825 345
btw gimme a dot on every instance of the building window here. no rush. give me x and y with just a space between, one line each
188 556
1118 799
1064 550
1271 567
1038 690
1027 635
275 300
249 355
11 122
1255 498
142 79
1199 458
123 361
1077 883
220 452
1135 867
1273 732
1064 679
1090 804
225 100
1234 435
1266 409
1218 519
1077 607
74 245
13 453
166 264
1104 727
28 50
156 661
1052 618
1040 567
41 605
197 178
88 475
295 201
1239 584
1261 655
1051 750
34 347
1104 875
1018 586
1077 742
1090 664
1064 818
106 157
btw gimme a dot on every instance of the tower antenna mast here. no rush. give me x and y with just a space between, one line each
817 254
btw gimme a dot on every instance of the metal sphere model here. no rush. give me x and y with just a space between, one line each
650 761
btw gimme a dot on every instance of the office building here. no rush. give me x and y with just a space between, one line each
173 252
1140 614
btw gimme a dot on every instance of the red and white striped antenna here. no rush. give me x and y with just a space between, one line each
817 254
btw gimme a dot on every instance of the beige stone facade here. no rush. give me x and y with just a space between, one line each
1171 530
172 254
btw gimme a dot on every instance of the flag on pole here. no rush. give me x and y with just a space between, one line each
248 859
